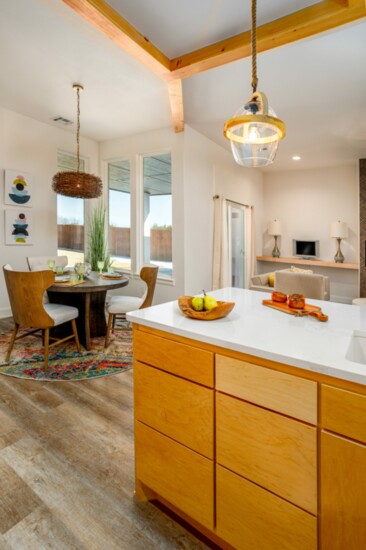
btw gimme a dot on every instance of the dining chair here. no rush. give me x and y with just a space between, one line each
25 290
118 306
40 263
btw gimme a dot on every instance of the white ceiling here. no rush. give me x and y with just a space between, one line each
317 86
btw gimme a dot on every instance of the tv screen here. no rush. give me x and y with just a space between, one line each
307 249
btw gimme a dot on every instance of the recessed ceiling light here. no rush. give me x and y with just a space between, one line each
296 157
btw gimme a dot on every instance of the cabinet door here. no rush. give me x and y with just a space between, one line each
343 493
181 476
274 451
251 518
175 407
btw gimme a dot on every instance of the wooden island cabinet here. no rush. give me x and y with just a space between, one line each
255 454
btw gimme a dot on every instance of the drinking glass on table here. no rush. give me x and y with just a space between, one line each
100 265
51 264
59 270
81 271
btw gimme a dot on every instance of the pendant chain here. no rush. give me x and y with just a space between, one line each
254 46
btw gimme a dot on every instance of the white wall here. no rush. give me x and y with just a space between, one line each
306 202
31 146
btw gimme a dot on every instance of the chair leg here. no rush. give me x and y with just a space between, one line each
76 336
46 343
11 345
109 328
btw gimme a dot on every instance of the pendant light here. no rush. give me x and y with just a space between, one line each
254 131
77 184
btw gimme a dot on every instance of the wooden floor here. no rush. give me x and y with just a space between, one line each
66 470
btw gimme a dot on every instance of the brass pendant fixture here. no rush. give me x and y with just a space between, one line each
77 184
254 132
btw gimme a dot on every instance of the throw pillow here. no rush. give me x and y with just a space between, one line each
298 270
271 279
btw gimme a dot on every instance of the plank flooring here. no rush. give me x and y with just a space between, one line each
67 472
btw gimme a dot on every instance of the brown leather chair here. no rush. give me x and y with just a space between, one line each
118 306
26 289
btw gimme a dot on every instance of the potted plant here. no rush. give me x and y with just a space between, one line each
98 246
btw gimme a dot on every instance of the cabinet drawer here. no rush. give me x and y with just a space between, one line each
180 359
271 389
274 451
250 517
344 412
181 476
180 409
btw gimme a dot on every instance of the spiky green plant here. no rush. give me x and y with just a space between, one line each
98 248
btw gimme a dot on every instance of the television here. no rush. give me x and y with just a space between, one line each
305 249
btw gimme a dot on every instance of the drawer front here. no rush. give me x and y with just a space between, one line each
249 517
268 388
274 451
180 359
181 476
344 412
179 409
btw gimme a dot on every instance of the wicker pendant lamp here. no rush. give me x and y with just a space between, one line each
254 132
77 184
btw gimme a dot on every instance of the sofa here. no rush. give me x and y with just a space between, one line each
312 285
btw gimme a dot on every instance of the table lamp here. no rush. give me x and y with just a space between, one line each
275 230
339 231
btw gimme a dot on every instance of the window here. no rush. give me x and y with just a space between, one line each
70 216
119 200
157 209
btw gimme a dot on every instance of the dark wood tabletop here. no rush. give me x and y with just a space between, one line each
89 297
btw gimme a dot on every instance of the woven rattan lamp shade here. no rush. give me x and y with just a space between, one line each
79 185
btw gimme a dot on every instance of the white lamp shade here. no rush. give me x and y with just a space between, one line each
339 230
275 228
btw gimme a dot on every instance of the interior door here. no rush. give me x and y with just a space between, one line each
236 238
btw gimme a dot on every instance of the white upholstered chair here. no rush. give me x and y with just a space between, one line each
26 289
312 285
40 263
118 306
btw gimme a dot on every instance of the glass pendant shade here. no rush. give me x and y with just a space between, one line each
254 132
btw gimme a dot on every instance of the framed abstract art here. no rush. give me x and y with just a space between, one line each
18 188
18 227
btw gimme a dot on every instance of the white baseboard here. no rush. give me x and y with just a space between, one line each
5 312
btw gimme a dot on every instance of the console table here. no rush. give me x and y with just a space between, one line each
300 261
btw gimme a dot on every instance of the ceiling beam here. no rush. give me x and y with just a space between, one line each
175 91
315 19
111 24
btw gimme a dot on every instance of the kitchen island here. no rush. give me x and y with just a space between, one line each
253 427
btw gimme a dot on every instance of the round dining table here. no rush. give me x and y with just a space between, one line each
89 297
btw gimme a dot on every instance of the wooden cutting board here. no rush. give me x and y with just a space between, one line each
282 306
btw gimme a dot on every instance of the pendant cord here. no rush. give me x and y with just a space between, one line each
254 46
78 130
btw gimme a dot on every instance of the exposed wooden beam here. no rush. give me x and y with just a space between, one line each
315 19
175 91
112 25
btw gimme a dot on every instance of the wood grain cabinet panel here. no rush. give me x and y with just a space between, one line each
274 451
186 361
344 412
343 490
179 409
181 476
251 518
268 388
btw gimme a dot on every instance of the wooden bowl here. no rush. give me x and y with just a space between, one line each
222 309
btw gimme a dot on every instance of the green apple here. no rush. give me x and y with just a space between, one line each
197 303
209 302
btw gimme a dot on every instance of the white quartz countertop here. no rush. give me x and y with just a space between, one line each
252 328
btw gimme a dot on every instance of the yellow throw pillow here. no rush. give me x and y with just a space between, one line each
271 279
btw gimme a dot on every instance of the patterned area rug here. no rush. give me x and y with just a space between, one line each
65 363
